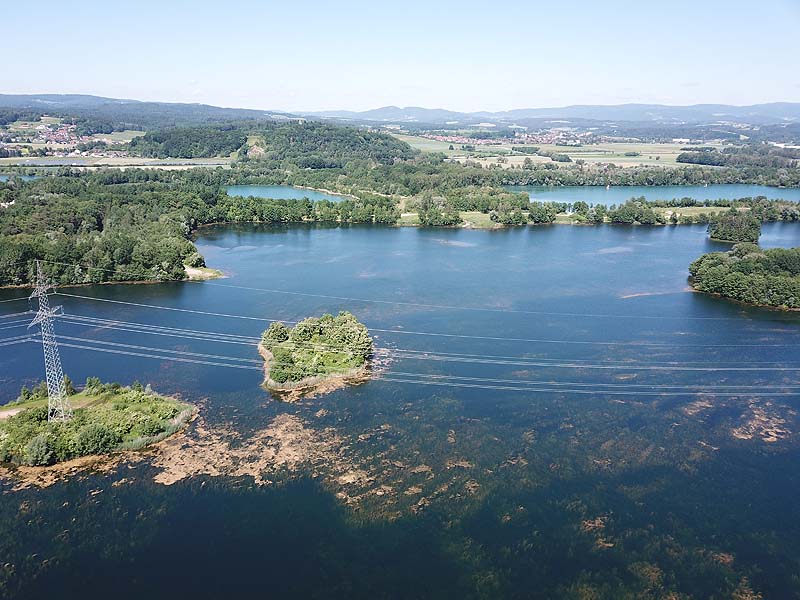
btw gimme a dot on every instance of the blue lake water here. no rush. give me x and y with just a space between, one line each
556 411
619 194
23 177
280 192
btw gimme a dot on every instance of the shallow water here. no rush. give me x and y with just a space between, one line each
619 194
592 476
280 192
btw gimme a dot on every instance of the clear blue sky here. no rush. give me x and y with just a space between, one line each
461 55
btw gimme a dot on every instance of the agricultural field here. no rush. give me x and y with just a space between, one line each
621 154
118 137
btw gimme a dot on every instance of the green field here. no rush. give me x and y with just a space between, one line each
118 137
649 154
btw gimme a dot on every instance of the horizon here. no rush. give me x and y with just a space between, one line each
403 107
463 56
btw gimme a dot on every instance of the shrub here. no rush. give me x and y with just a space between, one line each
96 439
38 451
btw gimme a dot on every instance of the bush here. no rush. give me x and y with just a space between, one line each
96 439
38 451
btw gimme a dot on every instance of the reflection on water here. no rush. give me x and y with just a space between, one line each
467 489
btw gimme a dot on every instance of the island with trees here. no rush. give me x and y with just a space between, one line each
318 354
751 275
735 226
107 418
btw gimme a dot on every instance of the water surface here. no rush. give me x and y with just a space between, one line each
281 192
553 458
597 194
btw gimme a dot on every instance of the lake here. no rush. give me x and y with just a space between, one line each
22 177
280 192
620 194
555 411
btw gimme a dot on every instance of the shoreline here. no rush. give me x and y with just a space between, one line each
310 386
202 274
771 307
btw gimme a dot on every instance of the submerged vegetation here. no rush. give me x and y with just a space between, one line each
315 349
751 275
107 417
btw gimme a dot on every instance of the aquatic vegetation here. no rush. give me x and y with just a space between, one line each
107 417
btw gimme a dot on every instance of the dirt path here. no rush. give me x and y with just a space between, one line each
9 412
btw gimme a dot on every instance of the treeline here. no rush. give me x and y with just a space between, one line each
369 209
738 156
735 226
113 233
749 274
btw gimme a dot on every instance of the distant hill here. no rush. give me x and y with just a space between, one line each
135 114
132 114
757 114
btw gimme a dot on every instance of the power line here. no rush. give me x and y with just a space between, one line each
439 376
401 303
434 334
562 391
459 384
185 310
401 352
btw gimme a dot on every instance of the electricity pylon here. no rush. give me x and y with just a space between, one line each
58 405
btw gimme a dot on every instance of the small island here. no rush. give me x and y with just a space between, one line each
751 275
107 418
318 354
734 227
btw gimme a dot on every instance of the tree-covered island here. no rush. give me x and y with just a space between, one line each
317 352
751 275
107 418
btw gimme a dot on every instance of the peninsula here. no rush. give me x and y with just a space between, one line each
751 275
107 418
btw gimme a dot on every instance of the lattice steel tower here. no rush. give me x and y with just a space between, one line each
58 405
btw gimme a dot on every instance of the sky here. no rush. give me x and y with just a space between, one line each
464 55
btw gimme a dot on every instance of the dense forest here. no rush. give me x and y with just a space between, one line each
189 142
735 227
749 274
118 225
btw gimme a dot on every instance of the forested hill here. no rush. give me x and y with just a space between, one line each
115 114
305 145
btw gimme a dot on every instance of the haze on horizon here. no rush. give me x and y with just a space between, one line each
462 56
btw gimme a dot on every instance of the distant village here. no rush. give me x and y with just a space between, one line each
53 139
